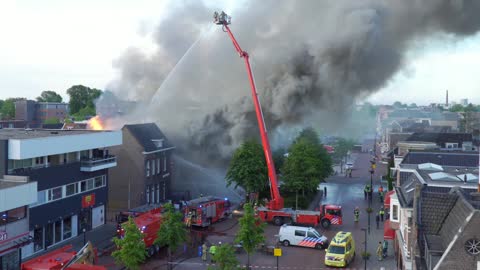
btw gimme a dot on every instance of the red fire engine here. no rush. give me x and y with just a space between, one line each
65 259
123 216
207 210
274 210
149 224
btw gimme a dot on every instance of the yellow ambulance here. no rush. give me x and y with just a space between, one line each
341 250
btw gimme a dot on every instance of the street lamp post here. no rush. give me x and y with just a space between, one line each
84 236
365 249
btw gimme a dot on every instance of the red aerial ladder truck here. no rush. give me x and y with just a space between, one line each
274 210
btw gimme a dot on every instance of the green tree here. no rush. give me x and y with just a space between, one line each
49 96
131 248
172 231
248 168
83 113
81 97
8 108
303 169
52 120
225 258
250 234
457 108
342 146
309 134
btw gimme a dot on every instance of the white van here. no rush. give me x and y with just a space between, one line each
301 236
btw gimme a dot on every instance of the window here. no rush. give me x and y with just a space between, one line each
104 180
349 246
83 186
41 197
394 212
300 233
58 231
313 234
38 239
84 154
39 161
90 184
98 181
158 165
147 168
13 215
153 167
67 227
71 189
147 194
55 194
158 193
164 162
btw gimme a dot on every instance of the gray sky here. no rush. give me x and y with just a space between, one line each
54 44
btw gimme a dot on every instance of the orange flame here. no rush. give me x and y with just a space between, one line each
95 123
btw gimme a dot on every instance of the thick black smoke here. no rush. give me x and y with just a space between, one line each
307 56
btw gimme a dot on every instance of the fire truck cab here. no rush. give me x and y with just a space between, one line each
123 216
149 224
204 211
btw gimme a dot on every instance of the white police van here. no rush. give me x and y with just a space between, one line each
301 236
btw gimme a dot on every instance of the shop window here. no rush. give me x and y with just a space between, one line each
71 189
13 215
67 228
38 239
48 235
10 260
147 194
58 231
158 165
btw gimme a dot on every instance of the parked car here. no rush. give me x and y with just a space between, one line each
349 165
301 236
341 251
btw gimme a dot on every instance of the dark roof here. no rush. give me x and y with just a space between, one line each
434 242
406 190
462 159
145 133
434 208
440 138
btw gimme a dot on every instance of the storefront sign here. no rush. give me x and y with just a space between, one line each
3 235
88 200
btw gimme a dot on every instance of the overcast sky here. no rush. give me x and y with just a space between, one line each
54 44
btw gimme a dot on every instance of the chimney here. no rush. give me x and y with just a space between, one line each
446 102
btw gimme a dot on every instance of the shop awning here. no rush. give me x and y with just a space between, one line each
388 232
387 198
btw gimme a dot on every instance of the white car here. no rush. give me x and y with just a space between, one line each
301 236
349 165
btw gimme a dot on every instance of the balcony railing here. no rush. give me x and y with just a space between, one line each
98 163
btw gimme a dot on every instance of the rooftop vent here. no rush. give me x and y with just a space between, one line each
430 167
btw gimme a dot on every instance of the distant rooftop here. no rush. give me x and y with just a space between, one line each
442 158
22 134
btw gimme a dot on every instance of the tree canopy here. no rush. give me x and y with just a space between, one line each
225 258
82 97
49 96
250 234
131 248
306 166
8 108
172 230
248 168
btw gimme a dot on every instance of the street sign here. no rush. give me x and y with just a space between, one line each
277 252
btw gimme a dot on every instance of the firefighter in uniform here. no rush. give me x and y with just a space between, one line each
356 212
212 251
204 252
189 219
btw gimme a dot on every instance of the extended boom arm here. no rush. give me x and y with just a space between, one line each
276 202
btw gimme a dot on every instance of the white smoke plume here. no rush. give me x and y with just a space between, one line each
307 56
